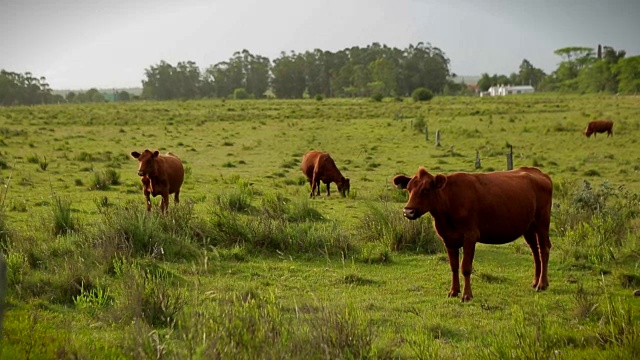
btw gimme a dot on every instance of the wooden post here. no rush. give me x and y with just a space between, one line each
426 132
411 124
510 158
438 138
478 165
3 289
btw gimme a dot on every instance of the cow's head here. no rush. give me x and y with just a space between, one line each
588 132
344 186
423 188
146 162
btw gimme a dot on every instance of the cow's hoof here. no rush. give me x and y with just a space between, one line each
466 298
542 287
534 284
453 294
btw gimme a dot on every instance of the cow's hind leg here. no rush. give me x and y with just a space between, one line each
328 188
165 202
544 245
314 185
176 197
532 240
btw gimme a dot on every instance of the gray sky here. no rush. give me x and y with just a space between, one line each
108 43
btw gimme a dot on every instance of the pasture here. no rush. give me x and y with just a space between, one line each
247 266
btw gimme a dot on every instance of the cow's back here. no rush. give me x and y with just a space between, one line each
500 206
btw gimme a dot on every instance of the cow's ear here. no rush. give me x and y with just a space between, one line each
135 154
401 181
155 154
439 181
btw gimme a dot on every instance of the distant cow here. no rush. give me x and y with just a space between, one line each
161 175
319 166
599 126
490 208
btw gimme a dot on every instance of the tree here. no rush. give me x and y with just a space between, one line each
484 82
529 74
628 74
289 80
383 71
123 96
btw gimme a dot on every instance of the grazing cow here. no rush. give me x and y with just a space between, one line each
161 175
599 126
319 166
489 208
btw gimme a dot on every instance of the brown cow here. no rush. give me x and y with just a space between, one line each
599 126
161 175
489 208
319 166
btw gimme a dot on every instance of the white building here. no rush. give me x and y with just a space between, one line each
502 90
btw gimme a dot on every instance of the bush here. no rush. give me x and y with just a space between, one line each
377 97
421 94
240 94
319 97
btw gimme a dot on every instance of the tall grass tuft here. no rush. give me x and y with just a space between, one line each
595 224
63 220
237 200
102 180
382 223
248 325
148 294
129 230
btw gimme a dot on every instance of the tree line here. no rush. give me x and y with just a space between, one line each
375 70
582 69
352 72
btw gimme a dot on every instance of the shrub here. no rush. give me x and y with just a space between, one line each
319 97
420 124
240 94
377 97
421 94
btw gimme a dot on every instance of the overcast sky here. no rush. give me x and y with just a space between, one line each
79 44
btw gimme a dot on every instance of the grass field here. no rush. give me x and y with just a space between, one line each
247 266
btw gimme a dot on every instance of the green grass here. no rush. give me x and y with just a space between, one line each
248 262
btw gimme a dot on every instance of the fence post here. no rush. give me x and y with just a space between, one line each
478 165
438 138
411 124
510 158
426 132
3 289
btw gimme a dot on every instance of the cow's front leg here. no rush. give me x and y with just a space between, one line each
328 189
469 249
454 262
148 199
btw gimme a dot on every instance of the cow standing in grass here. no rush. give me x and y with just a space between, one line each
160 175
489 208
319 166
599 126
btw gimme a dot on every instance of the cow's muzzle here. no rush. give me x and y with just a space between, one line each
410 214
141 173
